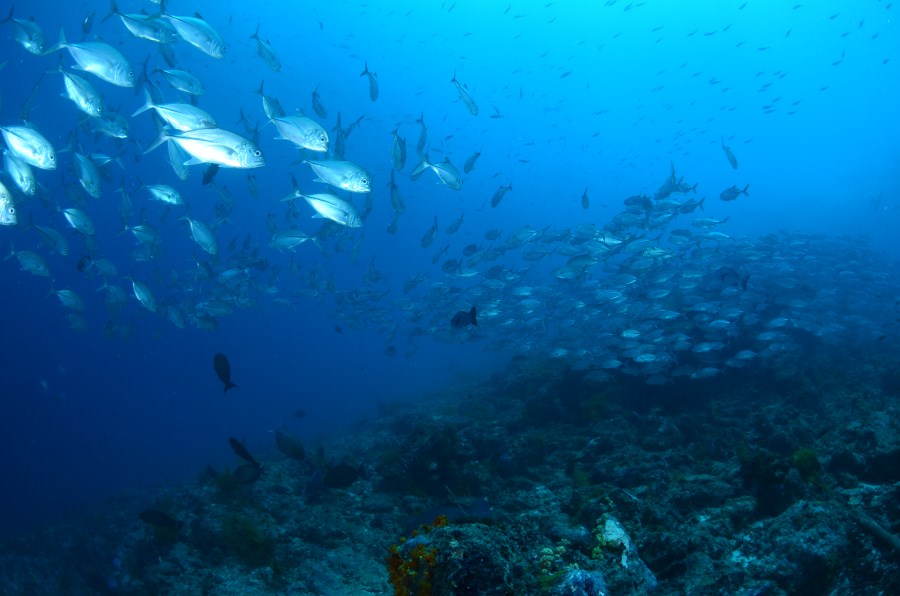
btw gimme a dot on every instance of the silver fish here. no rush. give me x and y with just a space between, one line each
729 154
28 34
183 81
398 151
144 295
498 196
100 59
30 262
265 51
465 96
53 239
144 26
88 175
342 174
446 172
79 221
30 146
164 193
271 105
8 215
203 235
177 158
215 146
21 173
83 94
199 34
303 132
318 106
289 239
181 116
335 209
110 124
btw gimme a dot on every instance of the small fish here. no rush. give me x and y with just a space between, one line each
28 33
498 196
463 319
331 207
199 34
203 235
342 174
318 107
242 452
446 172
729 154
160 519
465 96
144 295
88 22
428 238
210 173
144 26
303 132
183 81
729 277
180 116
423 136
470 163
264 50
30 146
398 151
100 59
733 192
223 371
585 201
83 95
214 146
289 444
373 81
299 413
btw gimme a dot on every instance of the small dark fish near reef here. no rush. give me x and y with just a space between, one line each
289 444
464 319
159 519
223 370
245 473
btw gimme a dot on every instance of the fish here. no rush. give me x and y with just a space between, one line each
373 81
470 162
265 51
20 173
223 371
499 194
334 208
164 193
733 192
144 295
29 146
423 136
342 174
428 238
98 58
729 277
465 96
585 200
271 105
83 94
88 175
8 215
242 452
214 146
79 221
160 519
30 262
299 413
729 154
180 116
318 107
342 475
144 26
289 239
463 319
182 80
88 22
446 172
28 33
396 200
202 235
199 34
303 132
454 227
398 151
289 444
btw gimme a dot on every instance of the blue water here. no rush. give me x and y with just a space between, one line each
603 95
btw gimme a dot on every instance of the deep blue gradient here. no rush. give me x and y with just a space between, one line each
603 95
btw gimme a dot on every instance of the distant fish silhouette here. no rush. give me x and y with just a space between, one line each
464 319
223 370
242 452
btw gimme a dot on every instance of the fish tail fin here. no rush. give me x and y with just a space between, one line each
59 44
148 104
422 166
256 33
365 69
10 15
472 316
453 80
700 204
162 138
260 90
113 11
744 281
744 192
229 385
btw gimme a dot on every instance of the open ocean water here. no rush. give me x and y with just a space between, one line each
450 297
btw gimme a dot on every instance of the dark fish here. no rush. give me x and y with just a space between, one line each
729 277
299 413
242 452
210 173
84 262
246 474
289 444
390 351
498 196
729 154
470 163
585 201
318 106
341 475
88 22
373 82
337 329
463 319
733 192
159 519
223 370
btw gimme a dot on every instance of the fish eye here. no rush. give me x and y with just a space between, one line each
130 74
52 157
12 210
257 153
364 180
